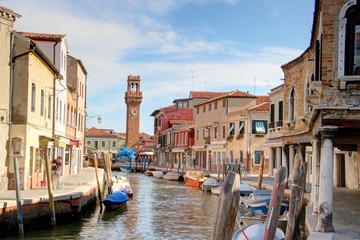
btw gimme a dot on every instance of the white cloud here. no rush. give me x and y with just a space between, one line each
131 29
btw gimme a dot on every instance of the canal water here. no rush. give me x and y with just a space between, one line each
160 209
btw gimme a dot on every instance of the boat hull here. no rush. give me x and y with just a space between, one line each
247 221
193 182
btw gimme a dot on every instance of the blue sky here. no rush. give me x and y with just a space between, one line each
174 45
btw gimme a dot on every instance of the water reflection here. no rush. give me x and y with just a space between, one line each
160 209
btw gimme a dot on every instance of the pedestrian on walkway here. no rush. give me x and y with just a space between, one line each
55 172
194 163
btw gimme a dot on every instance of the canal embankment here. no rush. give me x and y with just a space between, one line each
77 195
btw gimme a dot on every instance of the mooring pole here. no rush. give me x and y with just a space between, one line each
18 199
49 187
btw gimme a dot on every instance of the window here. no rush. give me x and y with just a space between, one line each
75 118
185 104
88 143
224 103
231 129
64 113
215 105
272 115
317 61
114 144
203 133
352 41
204 108
180 104
57 108
42 102
210 107
223 132
96 144
49 107
215 132
258 155
197 134
60 116
292 105
102 143
280 117
259 126
33 96
241 127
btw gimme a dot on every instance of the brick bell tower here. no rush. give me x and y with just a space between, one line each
133 99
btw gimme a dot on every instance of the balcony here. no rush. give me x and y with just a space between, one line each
207 140
279 123
271 125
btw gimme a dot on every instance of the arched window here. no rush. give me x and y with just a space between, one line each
292 105
352 43
349 39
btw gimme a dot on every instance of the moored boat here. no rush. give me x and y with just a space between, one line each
127 169
261 219
158 174
172 176
115 200
194 178
255 231
259 202
149 173
209 183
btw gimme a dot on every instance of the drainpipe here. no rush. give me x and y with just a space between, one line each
12 65
54 98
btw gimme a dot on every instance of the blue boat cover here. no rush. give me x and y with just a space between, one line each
117 198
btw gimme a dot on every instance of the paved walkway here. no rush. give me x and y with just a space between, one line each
73 187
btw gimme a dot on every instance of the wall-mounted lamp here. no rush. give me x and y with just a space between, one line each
99 119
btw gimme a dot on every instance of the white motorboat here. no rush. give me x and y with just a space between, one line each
173 176
158 174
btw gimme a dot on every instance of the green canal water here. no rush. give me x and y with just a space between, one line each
160 209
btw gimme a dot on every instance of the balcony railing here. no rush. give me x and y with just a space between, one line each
207 140
279 123
271 125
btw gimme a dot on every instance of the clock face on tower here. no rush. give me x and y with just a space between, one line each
133 111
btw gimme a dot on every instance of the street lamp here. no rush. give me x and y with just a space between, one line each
99 119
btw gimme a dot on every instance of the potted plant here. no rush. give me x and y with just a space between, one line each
239 136
357 70
230 138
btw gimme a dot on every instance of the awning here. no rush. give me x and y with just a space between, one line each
61 141
198 146
178 150
217 145
274 143
146 153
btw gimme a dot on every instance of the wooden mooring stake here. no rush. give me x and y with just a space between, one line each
275 204
227 207
296 197
261 172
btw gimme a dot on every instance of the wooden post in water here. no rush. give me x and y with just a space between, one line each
227 207
49 187
261 171
297 192
20 216
108 176
97 181
275 204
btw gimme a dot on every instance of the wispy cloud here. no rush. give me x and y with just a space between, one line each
106 36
